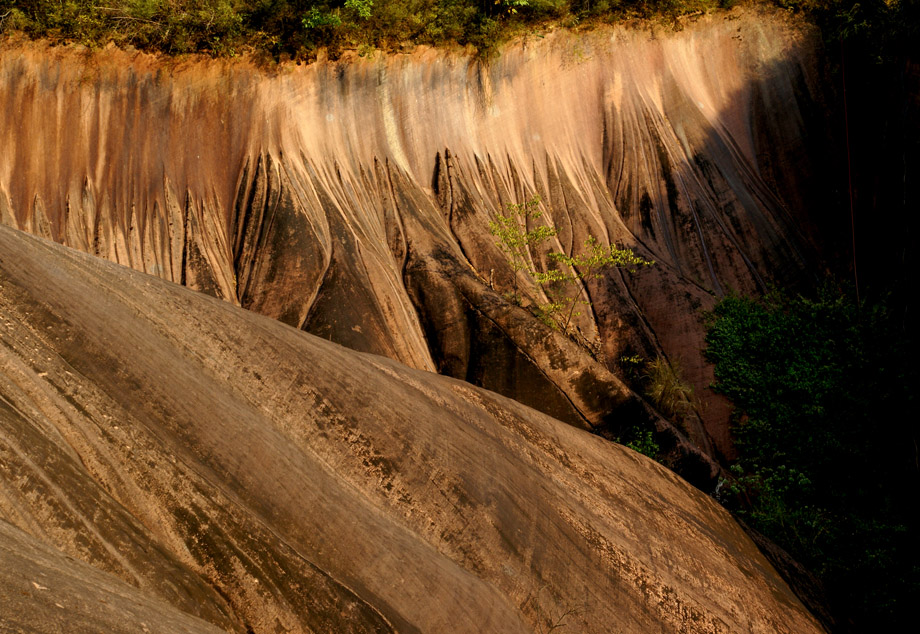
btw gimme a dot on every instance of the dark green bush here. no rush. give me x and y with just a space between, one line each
824 391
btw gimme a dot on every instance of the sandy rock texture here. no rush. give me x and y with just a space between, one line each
215 466
44 590
352 198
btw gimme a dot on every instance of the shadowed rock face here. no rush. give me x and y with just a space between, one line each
215 466
351 199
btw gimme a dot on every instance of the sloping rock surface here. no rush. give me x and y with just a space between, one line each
352 198
44 590
258 478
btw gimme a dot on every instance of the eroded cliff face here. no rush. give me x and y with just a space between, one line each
216 468
352 198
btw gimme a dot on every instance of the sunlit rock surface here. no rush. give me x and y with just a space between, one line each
352 198
215 466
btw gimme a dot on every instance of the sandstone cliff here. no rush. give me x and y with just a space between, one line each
351 199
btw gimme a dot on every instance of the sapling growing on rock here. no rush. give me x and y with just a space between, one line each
516 240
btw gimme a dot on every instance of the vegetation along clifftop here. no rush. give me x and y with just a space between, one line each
298 28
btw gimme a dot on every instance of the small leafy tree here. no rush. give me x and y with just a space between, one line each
587 265
516 240
517 234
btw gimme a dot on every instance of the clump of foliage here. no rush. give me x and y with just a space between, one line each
667 390
663 384
640 440
883 29
824 391
518 234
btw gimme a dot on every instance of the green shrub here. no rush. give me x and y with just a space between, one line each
642 441
316 18
824 394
